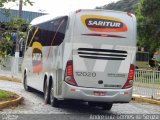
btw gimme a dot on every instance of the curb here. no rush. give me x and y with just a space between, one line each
12 78
11 103
139 98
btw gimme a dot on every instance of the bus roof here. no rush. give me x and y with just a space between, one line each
44 18
50 17
101 10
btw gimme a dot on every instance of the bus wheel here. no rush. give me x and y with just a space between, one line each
92 104
46 93
26 87
54 102
107 106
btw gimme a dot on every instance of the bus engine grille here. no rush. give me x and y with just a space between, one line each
103 54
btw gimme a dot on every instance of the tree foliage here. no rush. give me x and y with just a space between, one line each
15 26
5 45
122 5
25 2
148 17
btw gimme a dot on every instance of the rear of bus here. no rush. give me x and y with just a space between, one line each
103 53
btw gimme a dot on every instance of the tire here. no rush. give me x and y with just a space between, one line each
46 93
53 101
107 106
92 104
26 87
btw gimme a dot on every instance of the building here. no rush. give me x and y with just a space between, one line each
6 15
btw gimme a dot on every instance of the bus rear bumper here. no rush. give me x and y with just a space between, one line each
88 94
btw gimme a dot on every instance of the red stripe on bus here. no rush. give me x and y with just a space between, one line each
53 41
103 35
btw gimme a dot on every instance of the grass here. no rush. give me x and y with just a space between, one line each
5 95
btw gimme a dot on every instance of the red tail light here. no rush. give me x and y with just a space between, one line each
129 82
77 11
69 74
131 72
69 69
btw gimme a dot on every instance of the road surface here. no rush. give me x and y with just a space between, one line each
34 104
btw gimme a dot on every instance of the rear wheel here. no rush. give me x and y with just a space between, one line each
92 104
107 106
26 87
54 102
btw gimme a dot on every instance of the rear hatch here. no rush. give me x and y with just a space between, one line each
103 48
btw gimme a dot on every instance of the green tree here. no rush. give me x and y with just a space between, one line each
148 17
16 25
25 2
122 5
5 46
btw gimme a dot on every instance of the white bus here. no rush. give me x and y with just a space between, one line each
88 55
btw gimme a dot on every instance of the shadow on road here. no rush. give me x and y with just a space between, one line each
76 107
82 107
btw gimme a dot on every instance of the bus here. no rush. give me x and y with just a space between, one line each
88 55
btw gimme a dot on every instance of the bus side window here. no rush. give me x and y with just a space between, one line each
49 33
30 34
59 30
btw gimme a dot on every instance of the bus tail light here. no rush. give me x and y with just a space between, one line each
77 11
69 78
129 82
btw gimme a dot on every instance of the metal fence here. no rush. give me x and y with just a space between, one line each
147 83
11 66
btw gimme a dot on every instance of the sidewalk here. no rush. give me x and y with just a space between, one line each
6 75
140 98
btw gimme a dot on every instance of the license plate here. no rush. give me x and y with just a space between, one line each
97 93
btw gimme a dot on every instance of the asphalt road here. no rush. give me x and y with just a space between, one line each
34 104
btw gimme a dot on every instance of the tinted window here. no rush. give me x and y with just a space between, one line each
50 33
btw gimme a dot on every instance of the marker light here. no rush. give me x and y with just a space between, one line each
129 14
77 11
